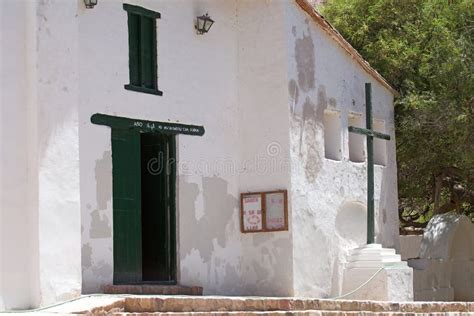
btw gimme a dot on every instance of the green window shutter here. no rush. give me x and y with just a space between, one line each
134 48
126 206
148 52
142 49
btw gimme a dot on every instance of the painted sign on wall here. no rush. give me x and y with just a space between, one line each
264 211
252 212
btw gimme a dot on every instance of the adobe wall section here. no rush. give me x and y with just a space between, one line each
328 193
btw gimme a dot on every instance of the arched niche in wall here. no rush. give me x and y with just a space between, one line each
351 223
351 232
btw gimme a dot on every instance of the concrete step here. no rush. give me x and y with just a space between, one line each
373 251
153 289
375 257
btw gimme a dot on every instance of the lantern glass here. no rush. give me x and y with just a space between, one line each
200 24
207 24
204 23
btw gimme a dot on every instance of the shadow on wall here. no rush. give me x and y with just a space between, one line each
444 269
351 232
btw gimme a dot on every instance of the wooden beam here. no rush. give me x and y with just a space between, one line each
146 126
364 131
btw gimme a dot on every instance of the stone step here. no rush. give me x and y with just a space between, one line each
152 289
214 305
217 305
375 264
383 251
276 313
375 257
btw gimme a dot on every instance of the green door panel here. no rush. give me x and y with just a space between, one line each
126 206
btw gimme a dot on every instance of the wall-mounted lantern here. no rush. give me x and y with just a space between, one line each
90 3
203 23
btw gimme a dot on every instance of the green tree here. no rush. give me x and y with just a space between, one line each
425 50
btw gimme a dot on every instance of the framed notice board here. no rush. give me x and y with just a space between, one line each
264 211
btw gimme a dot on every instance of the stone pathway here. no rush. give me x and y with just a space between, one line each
217 305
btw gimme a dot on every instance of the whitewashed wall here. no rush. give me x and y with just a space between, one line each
257 82
40 171
263 98
58 150
328 196
15 240
206 80
197 75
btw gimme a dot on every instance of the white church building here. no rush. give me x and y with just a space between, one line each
135 149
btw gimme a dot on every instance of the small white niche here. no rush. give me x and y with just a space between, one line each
356 141
332 135
380 145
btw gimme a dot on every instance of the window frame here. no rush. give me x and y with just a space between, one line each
134 62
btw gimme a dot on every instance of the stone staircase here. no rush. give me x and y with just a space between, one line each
215 305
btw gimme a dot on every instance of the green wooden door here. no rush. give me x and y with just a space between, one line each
126 206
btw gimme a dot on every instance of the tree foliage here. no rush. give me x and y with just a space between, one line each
425 50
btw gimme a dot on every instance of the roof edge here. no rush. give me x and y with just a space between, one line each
335 35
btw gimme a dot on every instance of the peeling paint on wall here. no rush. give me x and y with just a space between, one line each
100 225
218 214
259 239
294 94
261 272
192 193
305 62
86 255
269 266
322 103
230 274
102 269
103 180
309 148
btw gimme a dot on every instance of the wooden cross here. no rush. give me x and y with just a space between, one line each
370 133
